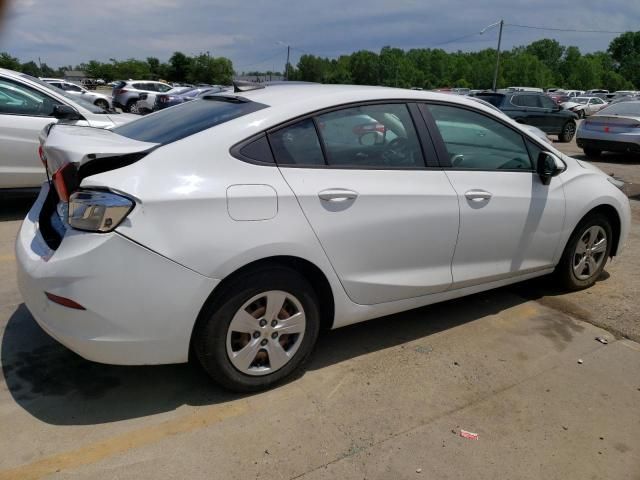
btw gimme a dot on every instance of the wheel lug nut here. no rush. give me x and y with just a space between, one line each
256 334
263 342
274 335
263 322
274 323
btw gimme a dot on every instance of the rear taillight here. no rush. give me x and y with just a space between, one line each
119 91
164 98
96 211
65 181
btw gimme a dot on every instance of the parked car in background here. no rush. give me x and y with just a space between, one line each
169 99
535 109
27 105
525 89
589 93
315 226
559 97
147 100
584 106
98 99
615 128
574 93
127 92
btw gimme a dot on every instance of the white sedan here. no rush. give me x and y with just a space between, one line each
585 106
98 99
240 225
28 104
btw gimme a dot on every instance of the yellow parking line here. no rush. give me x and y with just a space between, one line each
121 443
7 258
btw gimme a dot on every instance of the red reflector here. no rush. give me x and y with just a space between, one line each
41 155
65 302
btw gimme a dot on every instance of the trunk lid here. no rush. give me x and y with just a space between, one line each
63 144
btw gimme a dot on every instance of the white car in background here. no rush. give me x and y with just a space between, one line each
584 106
27 105
237 226
98 99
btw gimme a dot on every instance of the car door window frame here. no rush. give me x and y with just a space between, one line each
441 148
425 140
30 88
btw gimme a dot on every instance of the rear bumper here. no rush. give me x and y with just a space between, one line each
610 142
140 307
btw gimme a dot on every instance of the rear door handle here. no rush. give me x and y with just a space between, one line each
336 195
478 195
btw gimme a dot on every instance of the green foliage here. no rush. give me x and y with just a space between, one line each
543 63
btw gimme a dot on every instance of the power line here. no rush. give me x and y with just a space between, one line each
561 29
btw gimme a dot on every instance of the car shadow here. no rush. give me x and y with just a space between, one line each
15 206
59 387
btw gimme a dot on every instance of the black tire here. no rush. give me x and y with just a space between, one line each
592 152
130 105
102 104
568 131
581 114
210 334
564 271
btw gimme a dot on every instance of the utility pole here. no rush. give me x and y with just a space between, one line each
495 73
286 75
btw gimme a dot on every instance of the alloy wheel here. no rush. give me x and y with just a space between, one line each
265 333
589 253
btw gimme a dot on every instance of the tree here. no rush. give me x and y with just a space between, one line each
7 61
625 50
364 68
30 68
548 51
179 65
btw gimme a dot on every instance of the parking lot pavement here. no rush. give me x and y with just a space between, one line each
383 399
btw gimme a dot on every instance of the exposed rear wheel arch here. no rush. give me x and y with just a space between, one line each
311 272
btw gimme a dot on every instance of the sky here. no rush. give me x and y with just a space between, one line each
254 33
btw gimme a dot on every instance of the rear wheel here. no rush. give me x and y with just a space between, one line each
581 114
592 152
260 331
586 253
568 131
132 106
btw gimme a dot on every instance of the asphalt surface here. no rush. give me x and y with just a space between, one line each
385 399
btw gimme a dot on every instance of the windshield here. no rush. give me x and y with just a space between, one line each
623 108
186 119
580 100
74 99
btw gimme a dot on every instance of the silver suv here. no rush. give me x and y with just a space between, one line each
126 93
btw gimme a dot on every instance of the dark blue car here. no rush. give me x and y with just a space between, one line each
165 100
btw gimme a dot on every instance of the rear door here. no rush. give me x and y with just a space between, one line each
24 112
385 214
510 223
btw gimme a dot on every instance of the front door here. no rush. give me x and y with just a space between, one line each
386 221
510 223
24 112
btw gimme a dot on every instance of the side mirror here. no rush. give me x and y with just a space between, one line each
66 112
548 166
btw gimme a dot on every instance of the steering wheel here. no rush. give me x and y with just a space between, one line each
396 152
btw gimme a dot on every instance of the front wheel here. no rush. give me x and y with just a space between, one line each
586 253
568 131
261 330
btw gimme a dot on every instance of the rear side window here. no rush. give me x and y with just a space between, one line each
526 101
184 120
297 144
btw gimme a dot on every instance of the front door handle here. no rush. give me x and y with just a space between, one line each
337 195
478 195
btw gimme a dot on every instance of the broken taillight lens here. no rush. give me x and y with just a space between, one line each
65 180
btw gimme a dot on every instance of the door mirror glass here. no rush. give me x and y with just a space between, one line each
548 166
66 112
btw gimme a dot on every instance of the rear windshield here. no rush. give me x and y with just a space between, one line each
492 98
184 120
623 108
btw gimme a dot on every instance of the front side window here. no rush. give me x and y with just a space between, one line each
18 99
478 142
371 136
70 87
547 102
297 144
